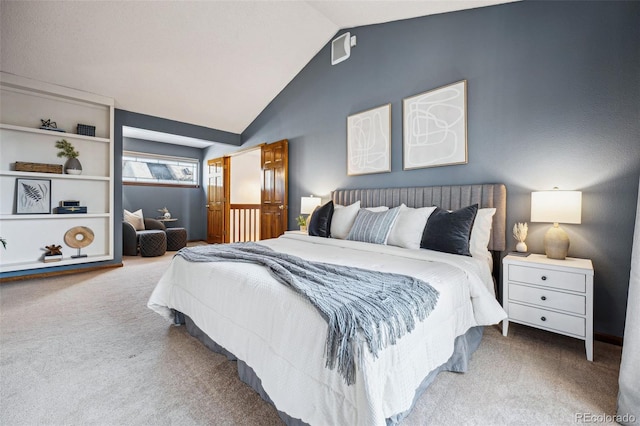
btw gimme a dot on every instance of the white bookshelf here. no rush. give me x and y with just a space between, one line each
23 102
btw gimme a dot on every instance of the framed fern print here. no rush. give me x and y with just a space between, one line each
33 196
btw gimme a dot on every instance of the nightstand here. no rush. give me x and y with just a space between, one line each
550 294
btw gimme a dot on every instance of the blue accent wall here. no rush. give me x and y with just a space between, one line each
553 100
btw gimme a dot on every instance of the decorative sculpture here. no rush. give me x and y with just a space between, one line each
53 250
78 237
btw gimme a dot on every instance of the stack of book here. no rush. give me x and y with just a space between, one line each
52 258
70 207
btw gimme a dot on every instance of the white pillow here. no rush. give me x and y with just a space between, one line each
409 226
136 219
342 219
377 209
481 233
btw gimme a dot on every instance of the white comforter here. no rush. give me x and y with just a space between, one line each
282 336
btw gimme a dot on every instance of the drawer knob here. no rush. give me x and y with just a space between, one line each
543 298
544 278
543 318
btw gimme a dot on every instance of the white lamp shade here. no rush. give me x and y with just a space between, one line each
556 206
308 204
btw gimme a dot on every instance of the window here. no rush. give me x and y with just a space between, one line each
151 169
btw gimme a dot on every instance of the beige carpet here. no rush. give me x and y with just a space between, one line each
84 349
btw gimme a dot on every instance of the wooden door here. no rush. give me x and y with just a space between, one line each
218 200
274 189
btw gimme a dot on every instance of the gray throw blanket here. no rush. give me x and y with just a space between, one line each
378 306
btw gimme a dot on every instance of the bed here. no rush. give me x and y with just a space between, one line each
278 337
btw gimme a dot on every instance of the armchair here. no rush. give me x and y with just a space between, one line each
131 237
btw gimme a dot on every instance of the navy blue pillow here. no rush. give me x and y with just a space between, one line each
449 232
320 224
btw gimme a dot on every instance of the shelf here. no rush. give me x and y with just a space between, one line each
23 103
52 175
52 216
63 135
21 266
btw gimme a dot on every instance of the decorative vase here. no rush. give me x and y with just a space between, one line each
73 167
167 215
521 247
303 228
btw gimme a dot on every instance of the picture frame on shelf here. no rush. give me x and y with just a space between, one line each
369 141
434 127
33 196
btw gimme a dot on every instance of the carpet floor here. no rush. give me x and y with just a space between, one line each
84 349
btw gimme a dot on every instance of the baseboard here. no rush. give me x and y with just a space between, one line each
608 338
57 273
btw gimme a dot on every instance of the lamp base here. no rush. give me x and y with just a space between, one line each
556 243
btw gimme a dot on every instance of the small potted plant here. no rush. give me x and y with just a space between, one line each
165 213
520 234
72 166
302 222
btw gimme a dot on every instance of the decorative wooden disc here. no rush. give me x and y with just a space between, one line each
78 237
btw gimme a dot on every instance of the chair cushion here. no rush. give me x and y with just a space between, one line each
136 219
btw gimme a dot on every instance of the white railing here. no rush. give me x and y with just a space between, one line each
244 222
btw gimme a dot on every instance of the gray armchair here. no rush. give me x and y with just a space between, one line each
131 237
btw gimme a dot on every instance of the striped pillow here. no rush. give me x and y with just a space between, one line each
373 227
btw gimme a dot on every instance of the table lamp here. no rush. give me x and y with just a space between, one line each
308 205
557 207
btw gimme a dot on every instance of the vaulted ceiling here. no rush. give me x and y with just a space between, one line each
216 64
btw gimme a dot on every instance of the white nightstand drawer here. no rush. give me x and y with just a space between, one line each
546 298
546 319
548 278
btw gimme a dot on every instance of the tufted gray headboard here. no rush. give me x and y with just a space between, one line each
447 197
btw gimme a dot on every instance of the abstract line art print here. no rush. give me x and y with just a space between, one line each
435 127
369 141
33 196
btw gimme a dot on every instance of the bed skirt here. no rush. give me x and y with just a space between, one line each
464 347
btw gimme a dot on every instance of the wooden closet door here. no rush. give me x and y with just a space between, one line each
218 200
274 189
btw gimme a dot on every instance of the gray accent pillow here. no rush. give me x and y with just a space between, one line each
449 232
373 227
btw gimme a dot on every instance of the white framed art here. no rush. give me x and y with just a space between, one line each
33 196
369 141
434 127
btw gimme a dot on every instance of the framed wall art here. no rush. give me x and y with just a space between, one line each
369 141
434 127
33 196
